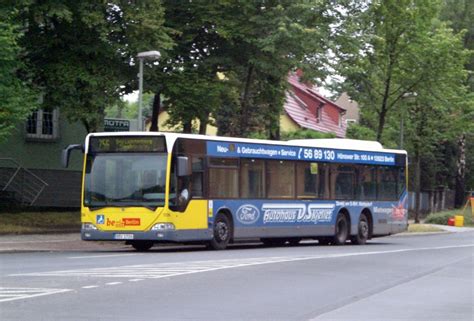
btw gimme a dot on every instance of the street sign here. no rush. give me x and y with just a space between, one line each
116 125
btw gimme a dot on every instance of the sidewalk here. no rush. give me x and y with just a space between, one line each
453 229
55 243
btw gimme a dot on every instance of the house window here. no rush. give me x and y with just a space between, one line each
319 113
43 124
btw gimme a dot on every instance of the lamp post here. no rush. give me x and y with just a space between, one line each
406 96
142 56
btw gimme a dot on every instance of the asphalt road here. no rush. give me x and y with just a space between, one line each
428 277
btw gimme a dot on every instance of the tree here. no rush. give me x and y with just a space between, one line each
386 63
459 14
410 67
80 53
16 97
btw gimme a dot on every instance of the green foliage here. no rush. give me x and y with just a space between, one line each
129 110
16 97
439 218
81 52
356 131
305 134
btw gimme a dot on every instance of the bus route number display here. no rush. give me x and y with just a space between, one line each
122 144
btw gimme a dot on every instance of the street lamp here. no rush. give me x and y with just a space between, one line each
409 96
151 55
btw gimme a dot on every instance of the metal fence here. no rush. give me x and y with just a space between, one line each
432 201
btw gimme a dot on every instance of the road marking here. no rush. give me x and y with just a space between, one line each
101 256
113 283
165 270
11 294
90 286
135 280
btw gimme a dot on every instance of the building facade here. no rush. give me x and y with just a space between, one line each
31 172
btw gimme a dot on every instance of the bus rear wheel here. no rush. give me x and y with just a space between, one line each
222 233
342 230
142 246
362 231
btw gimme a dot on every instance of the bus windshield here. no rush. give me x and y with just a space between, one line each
125 179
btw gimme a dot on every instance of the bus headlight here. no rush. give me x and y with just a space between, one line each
88 226
163 227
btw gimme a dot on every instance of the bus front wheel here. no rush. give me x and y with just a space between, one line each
142 246
362 231
342 230
222 233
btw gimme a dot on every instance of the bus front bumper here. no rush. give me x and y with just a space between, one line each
157 236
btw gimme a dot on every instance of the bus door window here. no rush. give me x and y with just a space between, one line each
197 181
280 178
252 178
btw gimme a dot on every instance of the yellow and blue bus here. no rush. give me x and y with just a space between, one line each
146 188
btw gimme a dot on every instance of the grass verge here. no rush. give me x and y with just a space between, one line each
39 222
423 228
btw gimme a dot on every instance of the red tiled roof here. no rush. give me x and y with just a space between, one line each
300 112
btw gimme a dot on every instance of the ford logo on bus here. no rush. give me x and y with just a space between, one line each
248 214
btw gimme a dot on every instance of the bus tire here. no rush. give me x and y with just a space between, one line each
362 231
222 233
142 246
342 230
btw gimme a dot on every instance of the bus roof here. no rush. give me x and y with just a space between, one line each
335 143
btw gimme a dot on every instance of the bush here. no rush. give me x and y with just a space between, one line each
439 218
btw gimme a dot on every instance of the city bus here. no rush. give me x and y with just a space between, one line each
146 188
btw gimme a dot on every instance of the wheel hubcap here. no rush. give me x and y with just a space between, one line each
364 230
222 231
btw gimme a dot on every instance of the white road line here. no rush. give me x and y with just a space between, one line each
135 280
101 256
90 286
11 294
165 270
113 283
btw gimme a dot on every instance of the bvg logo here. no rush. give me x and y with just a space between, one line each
248 214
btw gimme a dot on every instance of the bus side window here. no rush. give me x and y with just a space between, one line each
367 183
307 179
344 181
252 178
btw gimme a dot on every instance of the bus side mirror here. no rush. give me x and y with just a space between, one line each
67 151
183 166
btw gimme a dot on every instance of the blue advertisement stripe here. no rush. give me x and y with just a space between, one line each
230 149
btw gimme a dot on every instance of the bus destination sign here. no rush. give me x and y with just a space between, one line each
123 144
230 149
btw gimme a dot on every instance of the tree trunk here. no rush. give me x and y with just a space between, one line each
417 186
203 125
188 127
461 172
244 104
155 112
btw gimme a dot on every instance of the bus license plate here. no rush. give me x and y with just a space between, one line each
123 236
